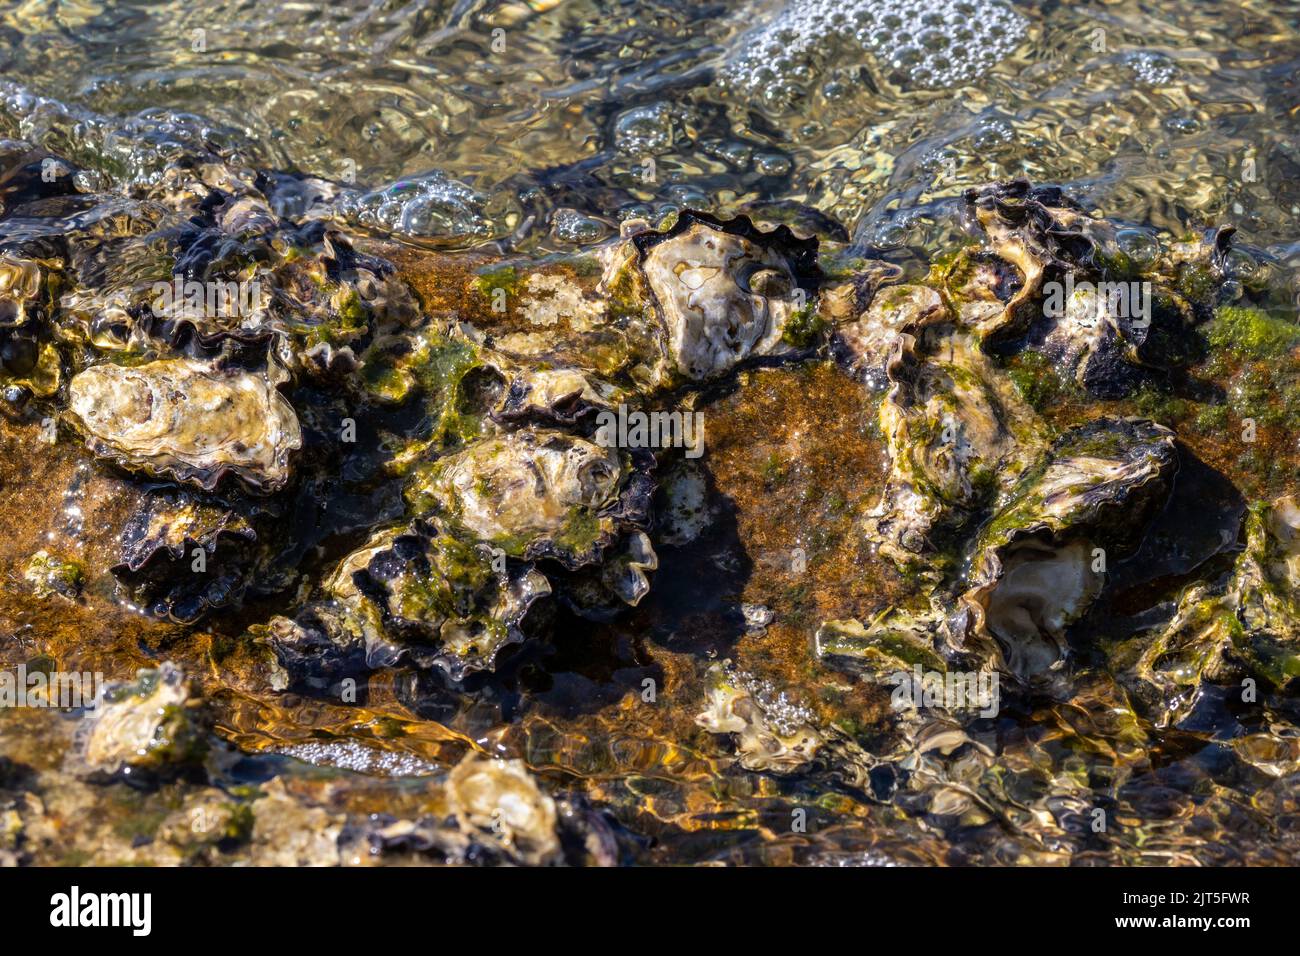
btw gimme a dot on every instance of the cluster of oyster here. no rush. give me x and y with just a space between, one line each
1011 527
241 414
477 484
154 728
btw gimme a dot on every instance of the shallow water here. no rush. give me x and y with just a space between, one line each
524 129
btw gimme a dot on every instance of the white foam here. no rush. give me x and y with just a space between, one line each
925 44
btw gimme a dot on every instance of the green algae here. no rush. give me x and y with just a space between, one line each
1251 333
803 327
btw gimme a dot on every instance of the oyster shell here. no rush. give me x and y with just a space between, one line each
725 291
182 557
1244 624
561 397
501 802
1061 280
534 493
1035 567
286 832
150 724
893 641
421 593
770 731
183 419
865 345
956 430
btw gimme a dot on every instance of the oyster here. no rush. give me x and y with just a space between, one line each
325 293
499 801
183 419
286 832
148 725
1040 561
589 314
865 345
562 396
1269 585
725 291
893 641
420 592
1027 227
535 493
1061 282
212 262
1242 625
957 431
771 732
182 556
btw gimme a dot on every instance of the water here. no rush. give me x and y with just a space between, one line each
533 128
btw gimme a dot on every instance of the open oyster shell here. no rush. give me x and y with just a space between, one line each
771 732
1040 561
181 418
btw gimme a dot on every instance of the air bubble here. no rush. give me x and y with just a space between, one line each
799 43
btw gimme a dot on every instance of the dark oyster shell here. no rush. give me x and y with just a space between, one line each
182 556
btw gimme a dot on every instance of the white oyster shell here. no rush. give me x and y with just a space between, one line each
182 418
527 485
500 801
723 298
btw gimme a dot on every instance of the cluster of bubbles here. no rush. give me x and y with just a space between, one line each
919 44
433 205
